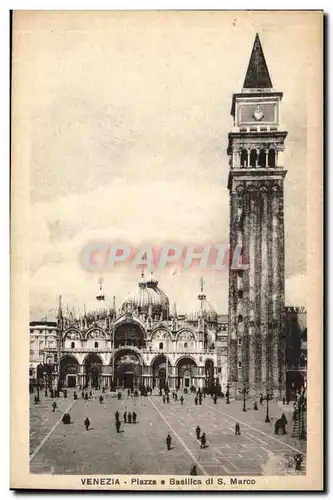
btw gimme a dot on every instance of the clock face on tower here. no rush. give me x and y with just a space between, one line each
257 113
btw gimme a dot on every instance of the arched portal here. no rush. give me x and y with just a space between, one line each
209 374
93 370
159 372
69 369
128 369
129 334
186 372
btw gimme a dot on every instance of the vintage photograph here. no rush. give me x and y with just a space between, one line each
166 161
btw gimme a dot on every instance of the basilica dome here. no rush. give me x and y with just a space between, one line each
98 308
203 308
148 298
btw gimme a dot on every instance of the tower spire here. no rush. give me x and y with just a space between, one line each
257 75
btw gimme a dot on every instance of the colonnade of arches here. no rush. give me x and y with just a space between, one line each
258 158
130 372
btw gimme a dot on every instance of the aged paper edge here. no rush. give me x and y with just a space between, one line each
20 202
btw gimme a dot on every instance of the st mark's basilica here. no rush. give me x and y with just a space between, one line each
143 344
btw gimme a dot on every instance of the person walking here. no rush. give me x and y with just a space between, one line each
54 405
255 406
75 396
163 398
86 396
125 417
193 471
134 417
196 401
203 441
82 394
129 417
87 423
167 399
168 442
198 431
215 399
181 400
298 461
117 415
237 429
118 426
101 399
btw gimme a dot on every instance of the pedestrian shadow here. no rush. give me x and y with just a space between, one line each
205 446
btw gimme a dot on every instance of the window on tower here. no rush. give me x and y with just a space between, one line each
262 158
240 318
72 345
271 158
239 364
253 158
96 345
161 345
244 159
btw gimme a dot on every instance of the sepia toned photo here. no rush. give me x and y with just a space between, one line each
166 250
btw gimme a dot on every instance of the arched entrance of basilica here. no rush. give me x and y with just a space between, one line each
69 369
186 372
159 372
128 369
93 371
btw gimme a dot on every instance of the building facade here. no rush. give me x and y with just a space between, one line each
143 344
256 178
296 334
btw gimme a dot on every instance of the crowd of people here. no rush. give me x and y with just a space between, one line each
130 417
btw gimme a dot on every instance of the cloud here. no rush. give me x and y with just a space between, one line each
137 213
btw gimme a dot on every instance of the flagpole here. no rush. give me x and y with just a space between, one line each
167 361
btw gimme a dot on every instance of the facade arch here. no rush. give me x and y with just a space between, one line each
69 371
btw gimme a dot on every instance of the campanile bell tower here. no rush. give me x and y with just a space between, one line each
256 177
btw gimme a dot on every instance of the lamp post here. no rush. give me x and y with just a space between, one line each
113 350
228 394
244 391
38 399
45 378
167 364
267 419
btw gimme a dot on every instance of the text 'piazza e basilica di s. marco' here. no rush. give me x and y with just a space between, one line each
260 343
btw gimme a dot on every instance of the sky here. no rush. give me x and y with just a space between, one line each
128 118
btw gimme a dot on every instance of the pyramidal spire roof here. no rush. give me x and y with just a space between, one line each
257 75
